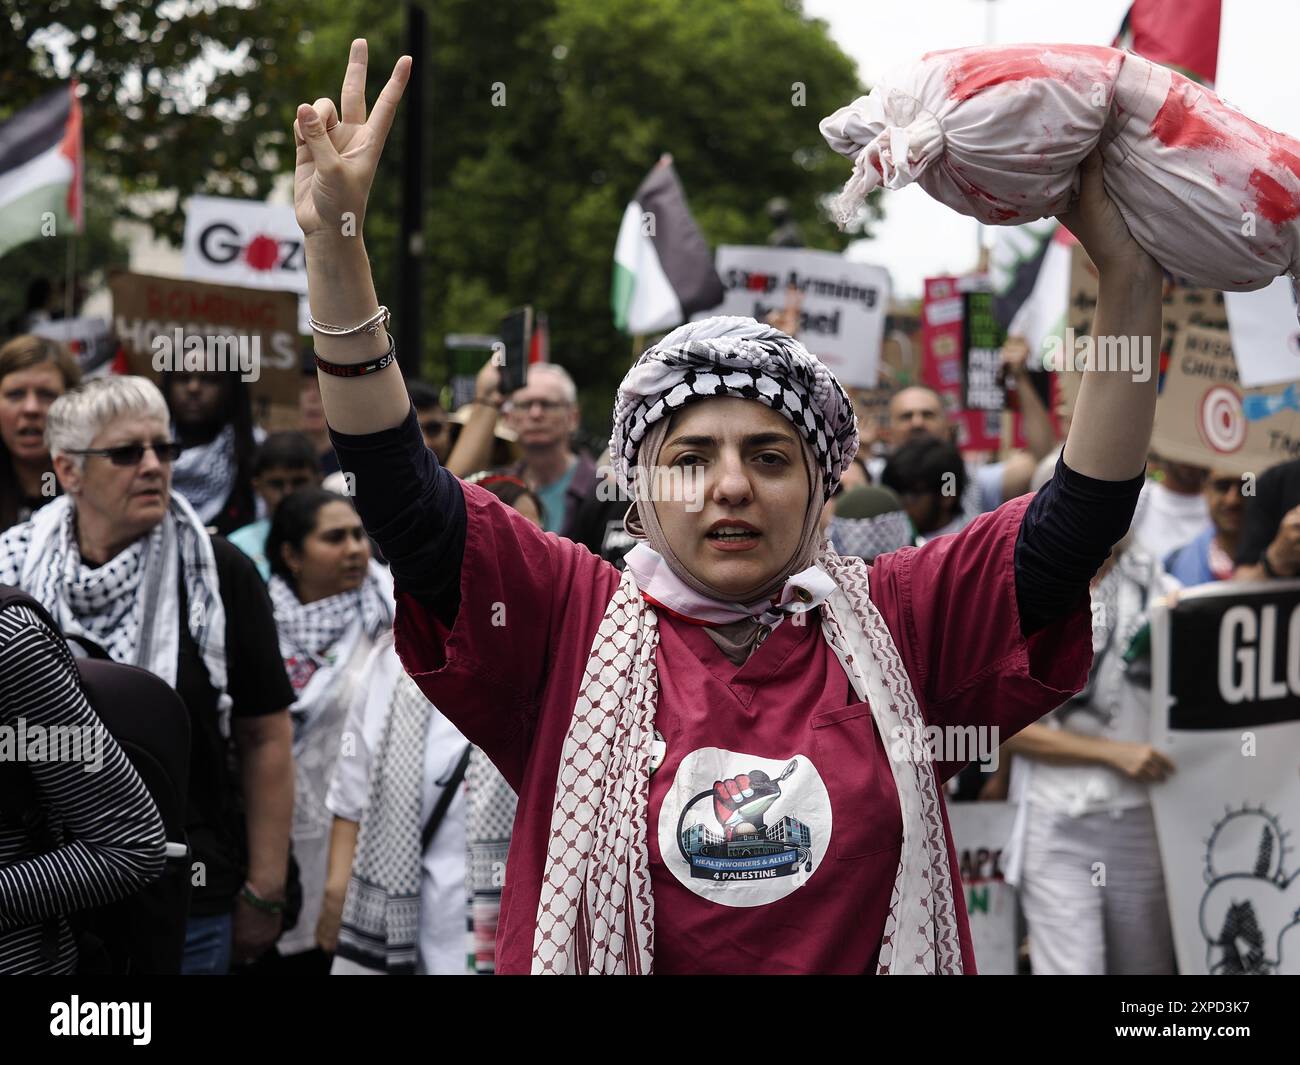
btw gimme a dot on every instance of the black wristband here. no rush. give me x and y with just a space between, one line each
357 369
1268 566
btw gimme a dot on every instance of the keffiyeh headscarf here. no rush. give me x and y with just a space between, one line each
869 522
596 910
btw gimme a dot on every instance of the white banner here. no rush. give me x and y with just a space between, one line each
1226 684
1265 334
245 243
980 831
842 319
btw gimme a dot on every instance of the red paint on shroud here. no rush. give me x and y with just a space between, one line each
1178 126
1274 202
982 68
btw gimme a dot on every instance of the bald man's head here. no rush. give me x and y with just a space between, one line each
915 412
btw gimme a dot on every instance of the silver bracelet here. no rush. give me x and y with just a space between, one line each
371 325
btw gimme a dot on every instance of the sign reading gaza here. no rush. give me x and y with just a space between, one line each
243 242
1235 660
842 317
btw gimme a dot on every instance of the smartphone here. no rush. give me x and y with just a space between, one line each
517 340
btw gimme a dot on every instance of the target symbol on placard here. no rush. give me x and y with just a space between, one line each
1223 422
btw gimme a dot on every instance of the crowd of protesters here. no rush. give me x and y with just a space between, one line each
340 820
310 741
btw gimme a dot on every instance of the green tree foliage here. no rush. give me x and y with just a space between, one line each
543 118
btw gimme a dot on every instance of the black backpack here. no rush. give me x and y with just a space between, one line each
143 932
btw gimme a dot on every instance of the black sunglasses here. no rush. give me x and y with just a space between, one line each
131 454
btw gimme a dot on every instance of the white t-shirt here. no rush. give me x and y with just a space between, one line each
1118 708
1165 520
441 945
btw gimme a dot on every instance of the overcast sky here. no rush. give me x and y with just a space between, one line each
920 237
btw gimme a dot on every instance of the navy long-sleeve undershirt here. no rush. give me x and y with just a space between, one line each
415 510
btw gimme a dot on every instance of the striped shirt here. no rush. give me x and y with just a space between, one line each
109 836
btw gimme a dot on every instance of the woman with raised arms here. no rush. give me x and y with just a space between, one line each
722 754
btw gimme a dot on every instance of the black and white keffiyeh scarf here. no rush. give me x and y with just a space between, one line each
308 631
205 474
381 914
730 356
866 538
130 606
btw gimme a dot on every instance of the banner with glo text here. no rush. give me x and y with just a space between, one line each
980 831
842 317
1226 711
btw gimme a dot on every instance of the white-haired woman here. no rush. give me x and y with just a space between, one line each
720 754
123 561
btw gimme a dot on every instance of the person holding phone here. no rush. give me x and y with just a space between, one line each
706 746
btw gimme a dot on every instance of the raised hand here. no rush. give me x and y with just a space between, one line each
1097 222
339 150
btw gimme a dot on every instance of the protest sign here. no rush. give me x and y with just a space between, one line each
1205 417
255 332
942 345
246 243
1183 307
982 340
1226 710
842 316
1265 335
980 831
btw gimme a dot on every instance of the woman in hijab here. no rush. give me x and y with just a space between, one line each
717 752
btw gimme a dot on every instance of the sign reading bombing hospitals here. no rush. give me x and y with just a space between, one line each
842 317
1226 699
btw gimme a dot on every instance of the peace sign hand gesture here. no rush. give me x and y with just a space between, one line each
338 153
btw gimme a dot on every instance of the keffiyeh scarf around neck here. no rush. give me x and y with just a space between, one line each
308 631
596 910
130 606
205 474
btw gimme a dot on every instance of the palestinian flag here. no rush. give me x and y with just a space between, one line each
41 170
663 268
1183 34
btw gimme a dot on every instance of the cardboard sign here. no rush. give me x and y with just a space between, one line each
149 311
842 318
1205 417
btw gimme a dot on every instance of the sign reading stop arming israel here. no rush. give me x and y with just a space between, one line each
1226 685
842 317
245 243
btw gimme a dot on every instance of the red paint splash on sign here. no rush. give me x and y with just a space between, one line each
262 253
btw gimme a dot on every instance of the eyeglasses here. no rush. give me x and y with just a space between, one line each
131 454
547 405
1224 485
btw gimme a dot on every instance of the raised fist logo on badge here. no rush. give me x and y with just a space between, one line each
740 802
